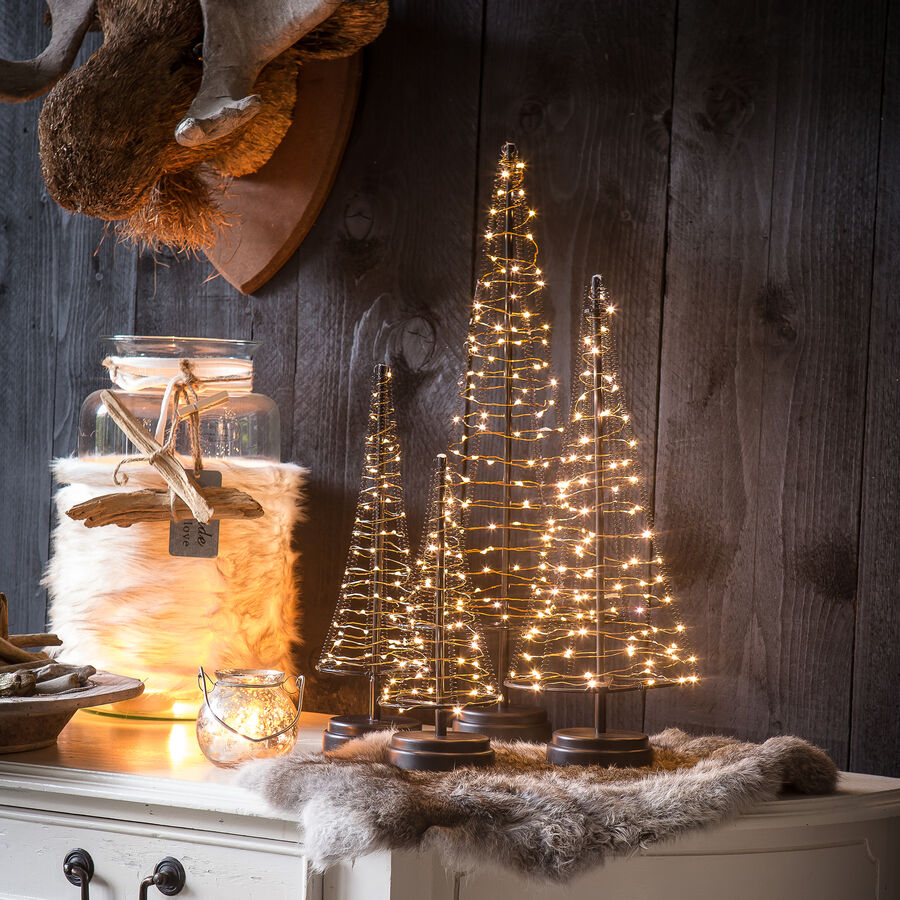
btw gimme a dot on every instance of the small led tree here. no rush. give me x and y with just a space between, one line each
369 626
606 623
445 667
508 396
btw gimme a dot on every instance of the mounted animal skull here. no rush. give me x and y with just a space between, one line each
182 93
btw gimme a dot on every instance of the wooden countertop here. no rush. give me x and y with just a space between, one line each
142 770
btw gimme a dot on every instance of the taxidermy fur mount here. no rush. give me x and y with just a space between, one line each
182 93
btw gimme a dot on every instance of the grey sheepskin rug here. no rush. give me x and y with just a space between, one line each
541 821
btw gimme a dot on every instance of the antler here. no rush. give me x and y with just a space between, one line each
29 78
240 38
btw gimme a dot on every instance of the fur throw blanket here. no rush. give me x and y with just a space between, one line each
541 821
120 602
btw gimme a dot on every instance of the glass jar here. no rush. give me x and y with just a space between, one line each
239 437
247 425
248 715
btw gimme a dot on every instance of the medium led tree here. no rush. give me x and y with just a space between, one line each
508 399
370 626
606 622
445 667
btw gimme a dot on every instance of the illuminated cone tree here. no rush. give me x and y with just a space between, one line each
607 621
370 626
499 457
446 667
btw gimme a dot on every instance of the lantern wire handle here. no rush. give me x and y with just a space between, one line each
300 681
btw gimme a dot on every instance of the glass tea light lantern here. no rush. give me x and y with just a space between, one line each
248 714
145 599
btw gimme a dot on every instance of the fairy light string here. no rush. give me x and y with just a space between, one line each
606 620
552 548
500 452
445 666
370 627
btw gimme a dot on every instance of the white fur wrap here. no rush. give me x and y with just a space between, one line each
119 602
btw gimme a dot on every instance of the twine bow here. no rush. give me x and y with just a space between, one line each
179 482
160 453
146 505
182 385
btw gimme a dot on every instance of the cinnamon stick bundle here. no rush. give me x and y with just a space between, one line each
19 666
13 654
11 646
34 640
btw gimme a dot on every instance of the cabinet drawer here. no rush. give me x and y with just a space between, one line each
219 866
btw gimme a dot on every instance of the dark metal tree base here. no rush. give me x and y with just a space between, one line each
424 750
511 723
341 729
585 747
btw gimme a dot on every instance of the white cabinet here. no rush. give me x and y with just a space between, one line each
842 847
132 793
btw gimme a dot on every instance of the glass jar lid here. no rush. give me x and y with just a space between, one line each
179 347
143 363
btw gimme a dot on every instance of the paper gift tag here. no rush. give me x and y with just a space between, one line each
192 538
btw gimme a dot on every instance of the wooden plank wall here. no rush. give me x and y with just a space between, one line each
731 168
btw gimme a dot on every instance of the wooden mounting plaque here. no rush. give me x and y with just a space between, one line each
272 210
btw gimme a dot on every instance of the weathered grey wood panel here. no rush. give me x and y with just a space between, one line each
61 284
789 433
814 326
875 719
709 410
740 251
27 261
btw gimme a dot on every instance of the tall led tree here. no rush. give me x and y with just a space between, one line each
508 398
370 626
446 667
606 622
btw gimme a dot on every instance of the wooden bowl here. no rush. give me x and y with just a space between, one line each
28 723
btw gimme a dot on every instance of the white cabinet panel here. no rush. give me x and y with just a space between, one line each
847 872
218 866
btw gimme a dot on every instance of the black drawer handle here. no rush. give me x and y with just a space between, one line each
78 867
168 876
